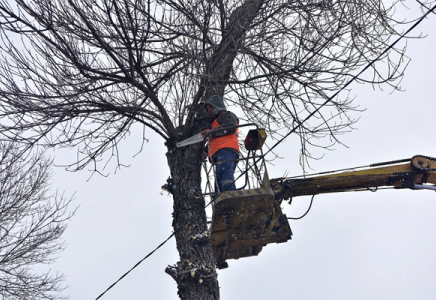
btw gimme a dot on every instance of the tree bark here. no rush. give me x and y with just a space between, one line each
195 273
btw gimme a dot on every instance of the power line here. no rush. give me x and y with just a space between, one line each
281 140
137 264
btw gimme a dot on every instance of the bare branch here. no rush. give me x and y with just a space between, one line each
32 222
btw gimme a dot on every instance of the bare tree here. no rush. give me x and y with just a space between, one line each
81 73
31 224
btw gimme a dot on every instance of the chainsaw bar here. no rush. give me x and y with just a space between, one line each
192 140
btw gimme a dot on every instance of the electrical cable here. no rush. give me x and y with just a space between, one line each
335 94
137 264
281 140
352 79
313 196
310 206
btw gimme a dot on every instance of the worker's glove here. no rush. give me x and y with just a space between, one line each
203 133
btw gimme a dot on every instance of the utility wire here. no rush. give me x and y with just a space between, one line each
334 95
137 264
352 79
281 140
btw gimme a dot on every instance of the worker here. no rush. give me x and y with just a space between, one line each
223 143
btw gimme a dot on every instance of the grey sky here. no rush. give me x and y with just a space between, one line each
350 246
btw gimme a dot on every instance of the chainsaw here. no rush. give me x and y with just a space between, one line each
192 140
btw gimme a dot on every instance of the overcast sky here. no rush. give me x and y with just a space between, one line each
362 245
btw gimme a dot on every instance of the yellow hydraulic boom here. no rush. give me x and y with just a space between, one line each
419 172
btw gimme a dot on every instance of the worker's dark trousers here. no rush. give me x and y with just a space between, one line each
226 161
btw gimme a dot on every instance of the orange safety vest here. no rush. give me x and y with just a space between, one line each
226 141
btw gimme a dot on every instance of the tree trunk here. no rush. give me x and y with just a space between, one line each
195 273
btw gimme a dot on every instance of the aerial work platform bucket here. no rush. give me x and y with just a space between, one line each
247 219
